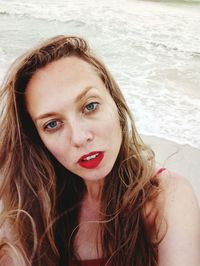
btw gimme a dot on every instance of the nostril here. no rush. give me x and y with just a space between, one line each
80 138
89 139
80 132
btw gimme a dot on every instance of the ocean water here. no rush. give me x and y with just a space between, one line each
151 47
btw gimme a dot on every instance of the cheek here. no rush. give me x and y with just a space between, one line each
54 147
110 127
56 151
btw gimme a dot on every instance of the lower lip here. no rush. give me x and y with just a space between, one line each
93 163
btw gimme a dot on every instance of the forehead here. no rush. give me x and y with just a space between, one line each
60 80
65 69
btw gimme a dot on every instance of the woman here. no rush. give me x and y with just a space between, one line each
78 186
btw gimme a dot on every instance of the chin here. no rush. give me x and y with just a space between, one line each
97 175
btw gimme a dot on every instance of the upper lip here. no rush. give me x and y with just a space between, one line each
88 154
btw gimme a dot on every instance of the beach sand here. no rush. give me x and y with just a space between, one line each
182 159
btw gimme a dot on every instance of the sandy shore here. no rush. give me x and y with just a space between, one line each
182 159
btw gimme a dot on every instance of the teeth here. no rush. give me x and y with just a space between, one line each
91 157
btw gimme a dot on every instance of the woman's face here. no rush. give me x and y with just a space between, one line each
75 116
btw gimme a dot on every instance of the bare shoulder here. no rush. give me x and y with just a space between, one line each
178 198
176 189
6 261
181 222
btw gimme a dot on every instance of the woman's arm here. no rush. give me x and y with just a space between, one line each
181 244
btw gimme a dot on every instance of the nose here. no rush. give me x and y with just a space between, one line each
80 133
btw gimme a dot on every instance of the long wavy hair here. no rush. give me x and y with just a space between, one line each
41 199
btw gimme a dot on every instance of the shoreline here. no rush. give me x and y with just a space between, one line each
182 159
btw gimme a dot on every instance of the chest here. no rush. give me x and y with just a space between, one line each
88 238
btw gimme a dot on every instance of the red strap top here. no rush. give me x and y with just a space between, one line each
160 171
95 262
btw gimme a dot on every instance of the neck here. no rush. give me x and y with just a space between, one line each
91 203
94 191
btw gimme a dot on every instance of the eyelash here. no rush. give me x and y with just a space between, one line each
93 110
95 105
52 129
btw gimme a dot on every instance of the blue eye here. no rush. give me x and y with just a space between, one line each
52 125
91 107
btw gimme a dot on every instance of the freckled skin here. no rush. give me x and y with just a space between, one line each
81 127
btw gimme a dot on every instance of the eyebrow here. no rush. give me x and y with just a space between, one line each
78 98
83 93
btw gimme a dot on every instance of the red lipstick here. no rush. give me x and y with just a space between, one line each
91 160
